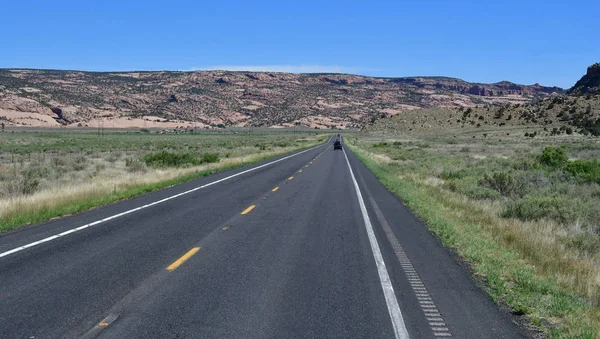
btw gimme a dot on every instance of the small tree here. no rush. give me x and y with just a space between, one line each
554 157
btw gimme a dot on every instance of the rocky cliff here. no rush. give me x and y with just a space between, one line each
589 83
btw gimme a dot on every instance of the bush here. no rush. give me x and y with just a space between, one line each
134 165
29 185
57 162
381 144
587 170
501 182
113 157
585 242
449 175
554 157
38 171
168 159
211 157
557 207
468 186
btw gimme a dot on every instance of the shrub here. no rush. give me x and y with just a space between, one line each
134 165
449 175
168 159
587 170
210 157
57 162
553 157
557 207
502 182
113 157
381 144
38 172
585 242
470 189
29 185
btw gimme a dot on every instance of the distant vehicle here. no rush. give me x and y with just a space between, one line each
337 144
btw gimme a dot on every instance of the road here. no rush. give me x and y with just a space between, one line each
311 246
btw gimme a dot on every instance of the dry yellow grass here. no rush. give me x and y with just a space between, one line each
116 178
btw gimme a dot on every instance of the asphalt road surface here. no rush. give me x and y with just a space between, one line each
311 246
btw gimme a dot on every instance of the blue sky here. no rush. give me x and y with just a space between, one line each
527 41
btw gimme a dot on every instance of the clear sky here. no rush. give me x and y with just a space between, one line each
525 41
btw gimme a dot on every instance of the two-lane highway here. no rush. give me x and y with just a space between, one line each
309 246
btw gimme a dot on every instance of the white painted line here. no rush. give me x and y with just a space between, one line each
35 243
442 334
400 331
439 329
425 300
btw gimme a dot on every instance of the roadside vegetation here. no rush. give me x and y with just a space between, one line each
44 175
524 212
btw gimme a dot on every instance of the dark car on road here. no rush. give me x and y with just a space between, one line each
337 144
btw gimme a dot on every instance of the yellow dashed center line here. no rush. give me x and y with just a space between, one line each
275 189
225 228
103 324
183 259
248 209
290 178
306 166
300 171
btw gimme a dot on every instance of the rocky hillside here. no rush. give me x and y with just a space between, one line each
589 83
575 113
219 98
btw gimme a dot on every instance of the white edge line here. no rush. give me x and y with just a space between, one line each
97 222
386 284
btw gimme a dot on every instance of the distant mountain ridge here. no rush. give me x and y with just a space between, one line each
206 99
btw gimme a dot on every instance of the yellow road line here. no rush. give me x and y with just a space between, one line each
225 228
183 259
275 189
290 178
306 166
248 209
300 171
103 324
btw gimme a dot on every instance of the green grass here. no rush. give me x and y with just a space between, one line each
547 274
